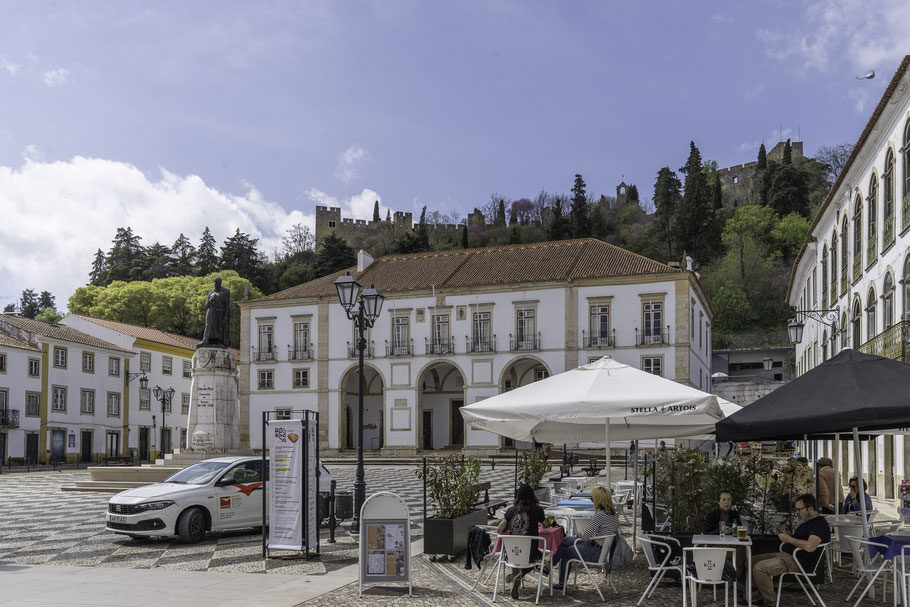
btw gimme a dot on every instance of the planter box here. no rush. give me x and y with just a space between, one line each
450 536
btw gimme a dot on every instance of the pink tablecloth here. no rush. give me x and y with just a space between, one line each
553 536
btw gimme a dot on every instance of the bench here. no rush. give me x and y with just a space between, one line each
490 505
120 460
564 471
493 459
592 469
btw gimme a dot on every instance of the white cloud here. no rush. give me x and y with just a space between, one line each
57 214
358 206
348 163
10 67
31 152
57 77
842 35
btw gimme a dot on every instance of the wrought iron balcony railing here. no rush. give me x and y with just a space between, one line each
368 352
300 352
599 339
525 342
261 355
9 418
483 344
439 346
872 250
399 348
891 343
651 338
905 212
888 232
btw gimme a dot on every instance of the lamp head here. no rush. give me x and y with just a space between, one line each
372 302
144 382
347 287
170 393
157 392
795 331
767 362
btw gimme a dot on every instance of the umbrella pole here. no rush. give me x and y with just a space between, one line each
860 486
607 439
635 497
837 483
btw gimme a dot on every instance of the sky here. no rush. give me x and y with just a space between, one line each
170 116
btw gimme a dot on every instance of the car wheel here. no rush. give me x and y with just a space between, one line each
191 526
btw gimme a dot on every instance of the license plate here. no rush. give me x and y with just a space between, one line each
117 519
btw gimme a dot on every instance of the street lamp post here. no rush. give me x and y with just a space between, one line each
164 397
795 326
368 308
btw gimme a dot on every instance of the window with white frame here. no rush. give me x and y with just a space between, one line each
526 329
167 365
540 374
857 228
301 378
440 333
888 302
145 361
4 399
282 414
59 398
187 369
88 362
113 366
301 340
266 334
600 325
652 364
482 333
888 191
184 404
113 404
401 333
872 215
145 399
59 357
34 367
266 379
32 404
652 319
87 401
871 329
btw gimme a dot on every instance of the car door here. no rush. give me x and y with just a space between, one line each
238 495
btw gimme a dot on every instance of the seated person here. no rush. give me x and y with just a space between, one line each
851 502
523 518
604 522
812 532
721 519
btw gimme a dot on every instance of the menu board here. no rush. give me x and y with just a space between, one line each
385 540
385 549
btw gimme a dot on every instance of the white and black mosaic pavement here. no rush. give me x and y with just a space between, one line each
43 525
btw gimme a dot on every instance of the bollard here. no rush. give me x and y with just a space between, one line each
333 522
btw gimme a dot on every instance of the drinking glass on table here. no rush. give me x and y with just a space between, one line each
742 531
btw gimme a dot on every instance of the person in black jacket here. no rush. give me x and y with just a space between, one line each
721 519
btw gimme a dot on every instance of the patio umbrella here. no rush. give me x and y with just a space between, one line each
846 394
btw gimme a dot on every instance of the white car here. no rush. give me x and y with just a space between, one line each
213 495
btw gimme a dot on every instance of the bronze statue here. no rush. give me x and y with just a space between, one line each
217 317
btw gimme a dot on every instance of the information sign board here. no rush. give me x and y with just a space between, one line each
285 441
385 540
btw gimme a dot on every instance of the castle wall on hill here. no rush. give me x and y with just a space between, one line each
738 182
363 234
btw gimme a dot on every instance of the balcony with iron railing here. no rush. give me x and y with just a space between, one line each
599 339
872 250
857 265
9 418
264 355
525 342
483 344
399 348
891 343
888 232
905 213
436 347
844 281
301 352
651 338
368 351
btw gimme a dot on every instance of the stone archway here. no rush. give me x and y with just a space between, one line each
440 396
373 409
520 372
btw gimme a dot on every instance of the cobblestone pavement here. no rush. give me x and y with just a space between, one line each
44 525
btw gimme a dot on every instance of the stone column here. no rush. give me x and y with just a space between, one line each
214 418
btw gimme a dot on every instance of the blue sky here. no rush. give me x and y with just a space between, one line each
169 116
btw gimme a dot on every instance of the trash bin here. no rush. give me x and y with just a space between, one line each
344 505
324 500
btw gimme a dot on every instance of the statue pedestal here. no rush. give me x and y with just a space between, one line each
214 419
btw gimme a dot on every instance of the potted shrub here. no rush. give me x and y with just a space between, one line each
533 466
453 493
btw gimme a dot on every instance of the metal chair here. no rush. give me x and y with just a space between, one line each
600 562
905 553
658 570
488 558
802 573
709 570
516 554
867 565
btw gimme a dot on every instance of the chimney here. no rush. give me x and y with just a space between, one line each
690 264
363 260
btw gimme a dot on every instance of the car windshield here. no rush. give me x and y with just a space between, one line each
198 474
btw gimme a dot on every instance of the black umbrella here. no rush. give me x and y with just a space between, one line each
849 393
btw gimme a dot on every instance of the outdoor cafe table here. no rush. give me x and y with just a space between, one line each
577 504
895 543
552 535
728 541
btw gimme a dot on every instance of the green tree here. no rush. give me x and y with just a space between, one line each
49 315
788 191
334 255
157 262
46 300
207 256
126 257
762 162
515 235
28 304
667 198
581 227
376 211
632 195
184 256
9 308
695 218
558 228
788 235
464 236
98 275
239 253
423 238
298 240
788 153
499 220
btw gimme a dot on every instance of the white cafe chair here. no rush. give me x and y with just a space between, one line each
658 569
516 555
802 574
709 570
866 565
600 563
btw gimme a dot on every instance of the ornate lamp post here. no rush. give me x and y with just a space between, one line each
368 308
164 397
795 327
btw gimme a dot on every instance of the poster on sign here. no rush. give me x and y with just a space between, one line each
384 540
285 441
312 487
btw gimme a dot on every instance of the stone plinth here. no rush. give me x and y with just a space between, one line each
214 419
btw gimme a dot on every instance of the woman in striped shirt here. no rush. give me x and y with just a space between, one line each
603 523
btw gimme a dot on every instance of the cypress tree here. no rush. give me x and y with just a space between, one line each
696 216
376 211
28 304
788 153
762 158
464 236
207 256
98 276
581 226
667 197
184 254
557 229
500 220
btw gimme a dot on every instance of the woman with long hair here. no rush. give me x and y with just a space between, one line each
523 518
604 522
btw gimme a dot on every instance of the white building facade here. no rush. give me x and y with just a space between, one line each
459 326
858 268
